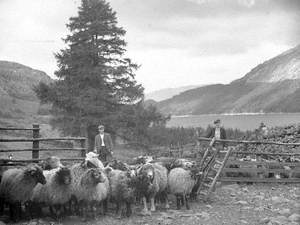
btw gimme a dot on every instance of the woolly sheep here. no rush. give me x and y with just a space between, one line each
122 190
89 187
92 158
17 185
181 183
56 192
51 162
152 181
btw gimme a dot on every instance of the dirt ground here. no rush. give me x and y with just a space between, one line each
271 204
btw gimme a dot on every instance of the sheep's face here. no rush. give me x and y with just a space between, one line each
51 163
116 164
64 176
36 173
97 176
147 171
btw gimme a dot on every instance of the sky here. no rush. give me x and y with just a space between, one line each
175 42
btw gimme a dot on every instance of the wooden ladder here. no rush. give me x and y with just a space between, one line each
209 164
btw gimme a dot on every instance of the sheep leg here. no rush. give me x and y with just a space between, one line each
186 202
94 209
1 206
128 209
117 208
178 198
120 211
165 195
104 206
152 202
145 210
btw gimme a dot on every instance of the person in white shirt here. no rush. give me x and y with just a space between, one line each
103 144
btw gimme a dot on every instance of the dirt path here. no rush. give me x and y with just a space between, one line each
230 205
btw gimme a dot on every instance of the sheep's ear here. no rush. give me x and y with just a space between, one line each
107 169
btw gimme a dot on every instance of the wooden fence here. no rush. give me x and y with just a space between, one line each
35 150
259 170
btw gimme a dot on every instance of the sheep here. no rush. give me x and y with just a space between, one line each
181 183
51 162
17 185
93 190
92 159
57 191
152 181
122 190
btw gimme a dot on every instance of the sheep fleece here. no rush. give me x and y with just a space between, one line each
15 187
51 193
180 181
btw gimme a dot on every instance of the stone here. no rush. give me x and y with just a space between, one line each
264 220
243 221
209 206
284 212
294 217
279 220
242 202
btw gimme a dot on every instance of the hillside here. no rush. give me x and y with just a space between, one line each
16 89
166 93
273 86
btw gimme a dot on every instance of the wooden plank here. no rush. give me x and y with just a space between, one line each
260 170
15 128
263 153
237 162
249 142
42 149
259 180
41 139
37 160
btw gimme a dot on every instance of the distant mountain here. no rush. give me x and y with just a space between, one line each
167 92
16 89
273 86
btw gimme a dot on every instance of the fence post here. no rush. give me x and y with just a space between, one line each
83 145
35 144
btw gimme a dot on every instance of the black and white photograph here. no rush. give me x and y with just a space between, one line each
150 112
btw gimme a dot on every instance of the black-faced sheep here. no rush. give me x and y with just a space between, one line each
122 190
181 183
56 192
152 181
17 185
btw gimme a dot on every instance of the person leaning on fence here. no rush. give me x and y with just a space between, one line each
217 133
103 144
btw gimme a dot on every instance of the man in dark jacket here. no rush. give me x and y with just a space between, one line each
103 144
217 132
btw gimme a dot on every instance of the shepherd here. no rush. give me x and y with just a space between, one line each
103 144
217 133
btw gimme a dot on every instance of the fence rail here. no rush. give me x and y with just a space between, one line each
36 139
265 171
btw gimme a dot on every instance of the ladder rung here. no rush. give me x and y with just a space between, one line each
215 169
210 178
206 185
219 162
203 193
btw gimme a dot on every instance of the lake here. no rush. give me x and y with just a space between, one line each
240 121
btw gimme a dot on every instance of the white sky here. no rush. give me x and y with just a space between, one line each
176 42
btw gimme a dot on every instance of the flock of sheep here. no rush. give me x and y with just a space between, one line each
86 188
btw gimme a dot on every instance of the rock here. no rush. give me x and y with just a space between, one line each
279 220
264 220
242 202
284 212
294 217
243 221
208 206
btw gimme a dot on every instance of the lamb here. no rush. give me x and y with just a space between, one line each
56 193
122 190
17 185
181 183
152 181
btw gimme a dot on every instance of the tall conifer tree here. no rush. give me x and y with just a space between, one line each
95 79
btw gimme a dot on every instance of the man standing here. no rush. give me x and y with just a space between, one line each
217 133
103 144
